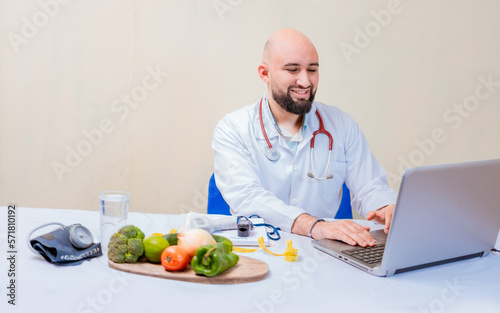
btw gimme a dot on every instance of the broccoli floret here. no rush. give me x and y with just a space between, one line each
126 245
130 231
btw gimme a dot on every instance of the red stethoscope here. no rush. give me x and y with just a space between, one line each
272 154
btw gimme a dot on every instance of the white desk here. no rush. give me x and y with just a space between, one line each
315 283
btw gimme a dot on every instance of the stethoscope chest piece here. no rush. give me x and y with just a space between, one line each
272 154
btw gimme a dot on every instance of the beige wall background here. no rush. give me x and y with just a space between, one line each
124 95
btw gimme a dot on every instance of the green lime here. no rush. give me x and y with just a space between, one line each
153 248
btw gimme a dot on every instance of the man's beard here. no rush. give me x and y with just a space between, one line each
300 107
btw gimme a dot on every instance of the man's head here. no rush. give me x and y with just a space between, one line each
290 70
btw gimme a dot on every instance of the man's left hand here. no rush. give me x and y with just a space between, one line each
382 216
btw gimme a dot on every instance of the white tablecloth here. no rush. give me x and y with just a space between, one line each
315 283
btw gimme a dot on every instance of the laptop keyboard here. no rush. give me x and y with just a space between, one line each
369 255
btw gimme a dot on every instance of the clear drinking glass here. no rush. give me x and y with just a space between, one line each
112 214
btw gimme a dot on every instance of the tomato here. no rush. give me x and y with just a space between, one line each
174 258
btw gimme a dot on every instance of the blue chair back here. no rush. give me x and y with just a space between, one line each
217 204
345 209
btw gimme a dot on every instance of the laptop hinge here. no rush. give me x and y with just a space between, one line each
465 257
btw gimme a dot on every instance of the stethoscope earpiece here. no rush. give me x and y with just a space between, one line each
329 176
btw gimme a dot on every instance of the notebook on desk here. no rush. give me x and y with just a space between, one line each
444 213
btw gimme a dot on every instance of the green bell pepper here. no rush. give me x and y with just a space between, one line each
212 260
219 238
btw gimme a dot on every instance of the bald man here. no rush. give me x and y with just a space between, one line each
263 161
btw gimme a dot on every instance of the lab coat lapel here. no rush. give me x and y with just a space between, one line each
268 120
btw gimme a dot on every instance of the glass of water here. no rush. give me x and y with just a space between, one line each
112 214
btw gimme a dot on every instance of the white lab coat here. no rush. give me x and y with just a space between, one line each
280 191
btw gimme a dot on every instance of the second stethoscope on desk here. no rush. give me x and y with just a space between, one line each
272 154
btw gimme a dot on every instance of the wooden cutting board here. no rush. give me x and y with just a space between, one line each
245 271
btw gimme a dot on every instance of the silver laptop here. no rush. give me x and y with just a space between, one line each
443 214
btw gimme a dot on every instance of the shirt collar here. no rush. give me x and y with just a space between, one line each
297 137
309 122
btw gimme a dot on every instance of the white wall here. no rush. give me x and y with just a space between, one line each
404 69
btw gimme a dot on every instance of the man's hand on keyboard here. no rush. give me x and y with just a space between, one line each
346 231
382 216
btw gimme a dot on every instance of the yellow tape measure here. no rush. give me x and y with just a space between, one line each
290 253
